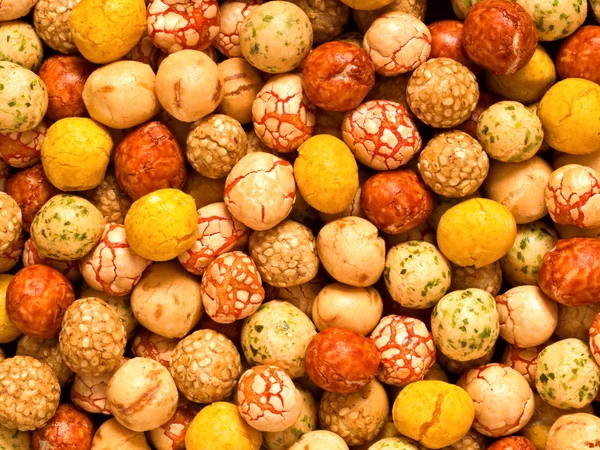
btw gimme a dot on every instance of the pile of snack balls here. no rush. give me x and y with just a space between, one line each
299 225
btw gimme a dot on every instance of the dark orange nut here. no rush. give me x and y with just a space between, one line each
36 300
30 188
337 76
341 360
149 158
512 443
486 99
579 53
68 429
446 42
23 149
570 273
396 201
64 77
500 36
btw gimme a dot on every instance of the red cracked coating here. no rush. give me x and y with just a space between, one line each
22 149
69 429
228 43
232 184
176 427
274 379
150 345
567 208
523 360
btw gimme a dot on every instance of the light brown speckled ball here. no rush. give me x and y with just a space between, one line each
51 21
453 164
92 339
205 366
29 393
442 92
285 255
11 221
46 351
488 278
112 202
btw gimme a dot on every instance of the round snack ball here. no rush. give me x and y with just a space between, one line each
51 22
147 379
110 91
8 332
260 190
530 83
567 375
573 196
338 305
416 274
575 321
500 36
29 393
89 392
442 107
30 188
222 425
15 8
232 13
189 85
276 37
11 221
351 251
487 278
574 431
453 164
171 434
24 98
341 360
267 399
67 228
68 428
520 187
406 349
567 128
577 54
435 413
503 400
524 360
568 273
282 114
241 84
320 440
465 324
215 144
21 150
557 20
278 333
46 351
105 31
327 18
147 344
476 232
110 199
320 159
364 18
20 44
15 439
113 436
36 300
92 339
381 134
446 42
396 201
76 153
162 225
397 43
510 132
522 262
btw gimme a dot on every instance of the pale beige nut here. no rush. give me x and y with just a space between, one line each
356 417
327 18
233 13
442 92
147 344
51 21
89 393
574 432
29 393
241 84
112 202
206 366
92 339
11 221
46 351
215 144
285 255
453 164
114 436
364 19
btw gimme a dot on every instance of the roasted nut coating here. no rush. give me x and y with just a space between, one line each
69 428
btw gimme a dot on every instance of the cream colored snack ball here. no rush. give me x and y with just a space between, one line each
522 262
520 187
23 98
574 432
364 19
142 378
575 321
416 274
276 37
465 324
67 227
167 300
14 439
189 85
20 44
111 91
242 83
503 400
320 440
113 436
510 132
487 278
558 19
567 375
13 9
278 334
527 316
341 306
260 190
352 251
